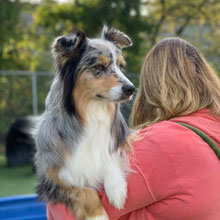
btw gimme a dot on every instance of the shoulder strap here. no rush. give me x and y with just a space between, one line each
204 137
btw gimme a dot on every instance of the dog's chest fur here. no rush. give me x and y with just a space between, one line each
88 163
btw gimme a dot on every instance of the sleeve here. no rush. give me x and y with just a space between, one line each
59 211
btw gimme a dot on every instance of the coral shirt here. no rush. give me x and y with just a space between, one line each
177 174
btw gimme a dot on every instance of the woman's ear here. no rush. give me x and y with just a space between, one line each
117 37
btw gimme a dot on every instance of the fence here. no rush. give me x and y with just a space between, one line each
33 76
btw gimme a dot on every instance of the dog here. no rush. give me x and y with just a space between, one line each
81 136
19 142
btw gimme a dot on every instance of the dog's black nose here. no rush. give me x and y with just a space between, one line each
128 89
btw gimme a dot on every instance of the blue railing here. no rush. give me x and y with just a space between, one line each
22 207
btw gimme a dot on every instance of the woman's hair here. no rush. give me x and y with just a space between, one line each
175 80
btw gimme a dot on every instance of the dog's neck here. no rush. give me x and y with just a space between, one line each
98 112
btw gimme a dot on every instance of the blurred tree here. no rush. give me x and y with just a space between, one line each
26 39
90 15
10 18
17 52
145 21
22 50
195 20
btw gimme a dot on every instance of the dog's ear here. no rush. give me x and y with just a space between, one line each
117 37
69 44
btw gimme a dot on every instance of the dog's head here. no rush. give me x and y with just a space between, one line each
93 68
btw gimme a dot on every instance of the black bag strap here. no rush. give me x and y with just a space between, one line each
204 137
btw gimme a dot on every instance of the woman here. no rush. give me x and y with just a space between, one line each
176 173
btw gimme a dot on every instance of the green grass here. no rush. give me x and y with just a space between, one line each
15 180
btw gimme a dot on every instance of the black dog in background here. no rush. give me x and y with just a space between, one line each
19 143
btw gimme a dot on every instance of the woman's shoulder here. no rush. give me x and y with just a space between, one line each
158 127
173 133
165 138
162 131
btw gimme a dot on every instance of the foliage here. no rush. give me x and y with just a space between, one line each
27 31
195 20
88 15
9 17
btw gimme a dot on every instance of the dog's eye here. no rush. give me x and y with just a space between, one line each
122 67
99 67
98 74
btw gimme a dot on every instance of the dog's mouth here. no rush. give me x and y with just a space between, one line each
123 98
100 96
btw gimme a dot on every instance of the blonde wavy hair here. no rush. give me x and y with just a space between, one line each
175 80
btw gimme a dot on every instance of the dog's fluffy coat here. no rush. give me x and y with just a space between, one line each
80 135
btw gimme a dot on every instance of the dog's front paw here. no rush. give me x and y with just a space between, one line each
116 191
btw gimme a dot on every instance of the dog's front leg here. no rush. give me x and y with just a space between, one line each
115 185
